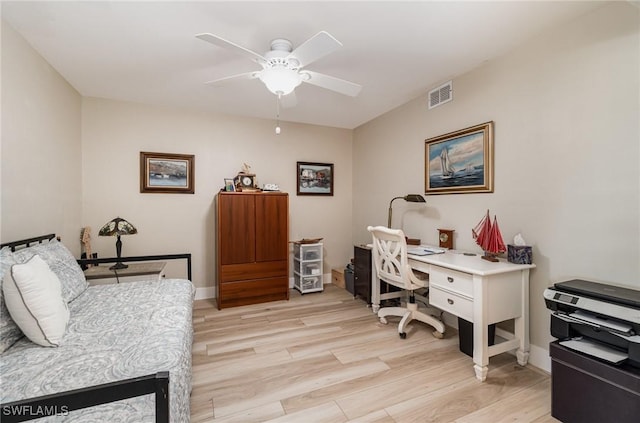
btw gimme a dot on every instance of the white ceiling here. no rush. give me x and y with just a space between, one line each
146 52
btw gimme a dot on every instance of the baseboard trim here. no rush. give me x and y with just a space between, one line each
539 357
205 293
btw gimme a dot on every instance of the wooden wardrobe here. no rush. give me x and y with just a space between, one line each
252 247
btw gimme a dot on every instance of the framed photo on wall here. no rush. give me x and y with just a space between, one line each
167 173
314 178
460 162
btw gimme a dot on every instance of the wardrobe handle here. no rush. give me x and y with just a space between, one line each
450 279
450 301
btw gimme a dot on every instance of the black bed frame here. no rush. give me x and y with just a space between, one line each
64 402
83 262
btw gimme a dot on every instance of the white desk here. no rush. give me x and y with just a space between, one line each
480 292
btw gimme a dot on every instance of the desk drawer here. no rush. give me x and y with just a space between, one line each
450 302
451 280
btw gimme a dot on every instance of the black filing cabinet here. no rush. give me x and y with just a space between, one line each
586 389
362 272
362 262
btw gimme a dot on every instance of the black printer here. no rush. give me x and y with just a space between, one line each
595 363
605 317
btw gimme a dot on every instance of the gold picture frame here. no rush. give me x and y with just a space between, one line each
167 173
460 162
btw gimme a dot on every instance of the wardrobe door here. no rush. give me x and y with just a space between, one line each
236 228
272 231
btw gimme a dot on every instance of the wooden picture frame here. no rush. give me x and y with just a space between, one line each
167 173
314 178
460 162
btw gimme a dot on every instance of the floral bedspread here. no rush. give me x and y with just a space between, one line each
116 332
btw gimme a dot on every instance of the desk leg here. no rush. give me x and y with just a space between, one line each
523 352
375 288
481 372
480 328
480 350
521 324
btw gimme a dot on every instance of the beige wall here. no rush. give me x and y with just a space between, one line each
41 147
114 133
567 159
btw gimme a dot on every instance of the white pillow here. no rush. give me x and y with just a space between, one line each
33 296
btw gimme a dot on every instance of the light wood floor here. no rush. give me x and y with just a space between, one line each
324 357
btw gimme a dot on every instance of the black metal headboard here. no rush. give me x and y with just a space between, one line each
27 242
83 262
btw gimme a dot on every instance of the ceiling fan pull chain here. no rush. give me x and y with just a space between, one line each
278 114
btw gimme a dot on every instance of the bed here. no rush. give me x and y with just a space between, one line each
125 355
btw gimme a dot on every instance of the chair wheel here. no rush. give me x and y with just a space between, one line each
403 335
438 335
383 321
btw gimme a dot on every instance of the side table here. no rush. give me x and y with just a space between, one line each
101 275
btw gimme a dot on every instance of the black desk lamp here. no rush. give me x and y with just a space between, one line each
118 227
411 198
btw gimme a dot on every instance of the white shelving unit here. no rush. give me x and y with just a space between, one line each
307 267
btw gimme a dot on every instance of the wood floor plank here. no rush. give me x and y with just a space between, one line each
233 367
349 392
221 326
262 413
379 416
273 336
526 405
278 382
546 419
324 413
202 412
325 357
470 395
415 384
332 341
383 345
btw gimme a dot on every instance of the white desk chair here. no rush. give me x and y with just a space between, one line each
392 266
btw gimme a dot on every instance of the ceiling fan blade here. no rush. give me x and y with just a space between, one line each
226 79
288 101
221 42
315 48
331 83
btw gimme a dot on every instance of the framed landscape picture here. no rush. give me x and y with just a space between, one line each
166 173
314 178
460 162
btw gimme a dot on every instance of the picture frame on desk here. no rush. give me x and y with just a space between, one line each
460 162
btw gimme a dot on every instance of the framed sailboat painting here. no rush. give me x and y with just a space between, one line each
460 162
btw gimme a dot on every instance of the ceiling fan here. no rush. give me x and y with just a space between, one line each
282 68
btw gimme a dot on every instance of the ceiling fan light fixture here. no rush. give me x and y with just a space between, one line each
304 76
280 80
282 65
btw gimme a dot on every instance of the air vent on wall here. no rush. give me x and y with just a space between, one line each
442 94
